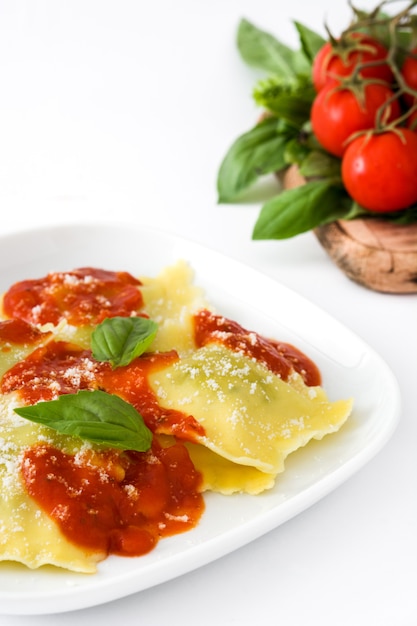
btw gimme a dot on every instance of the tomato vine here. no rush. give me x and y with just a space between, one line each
376 53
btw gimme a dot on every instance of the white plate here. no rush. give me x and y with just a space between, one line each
349 369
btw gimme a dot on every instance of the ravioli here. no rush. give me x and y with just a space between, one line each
248 417
224 476
27 534
171 299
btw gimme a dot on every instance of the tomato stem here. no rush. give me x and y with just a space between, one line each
402 22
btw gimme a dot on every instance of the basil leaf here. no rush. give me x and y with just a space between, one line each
289 100
264 51
375 24
259 151
356 210
311 42
378 25
296 151
298 210
95 416
119 340
401 218
320 164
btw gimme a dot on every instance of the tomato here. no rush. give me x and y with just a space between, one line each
409 73
339 60
379 170
337 113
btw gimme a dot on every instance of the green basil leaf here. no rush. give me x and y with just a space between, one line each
405 217
289 100
296 151
119 340
401 218
375 24
299 210
258 152
356 210
319 164
378 25
95 416
262 50
311 42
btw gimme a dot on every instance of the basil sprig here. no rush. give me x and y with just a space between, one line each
299 210
262 50
119 340
256 153
283 137
95 416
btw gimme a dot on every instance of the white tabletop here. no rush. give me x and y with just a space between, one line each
123 110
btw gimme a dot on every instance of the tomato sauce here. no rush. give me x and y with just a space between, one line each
280 358
122 506
121 502
61 367
131 383
19 332
82 296
56 368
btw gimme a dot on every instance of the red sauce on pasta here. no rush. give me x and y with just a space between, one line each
281 358
114 502
131 384
51 370
82 296
122 505
61 367
19 332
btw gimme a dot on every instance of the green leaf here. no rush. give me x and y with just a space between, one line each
405 217
258 152
356 210
288 99
311 42
95 416
401 218
320 164
119 340
299 210
376 24
296 151
262 50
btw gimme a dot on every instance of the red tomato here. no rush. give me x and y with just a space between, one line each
337 113
379 170
339 60
409 72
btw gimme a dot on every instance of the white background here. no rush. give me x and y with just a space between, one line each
123 110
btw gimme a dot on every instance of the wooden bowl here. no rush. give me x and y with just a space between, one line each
374 253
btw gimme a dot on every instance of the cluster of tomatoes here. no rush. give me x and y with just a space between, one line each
364 113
